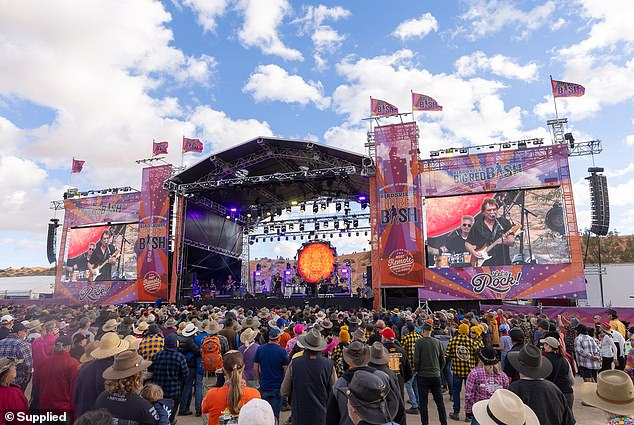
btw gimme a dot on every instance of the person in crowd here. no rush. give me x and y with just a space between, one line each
152 342
619 343
505 343
608 348
462 350
336 355
169 370
541 395
369 399
228 332
587 354
570 331
561 374
517 340
33 330
504 407
111 325
613 393
309 380
429 361
54 381
42 347
14 346
84 327
375 331
399 362
12 397
228 399
163 406
486 378
188 347
298 329
6 323
256 412
286 336
379 359
122 384
269 366
79 346
248 350
408 342
95 417
442 335
169 327
90 382
615 323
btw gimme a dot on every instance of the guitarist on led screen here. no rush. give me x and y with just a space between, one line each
103 258
490 238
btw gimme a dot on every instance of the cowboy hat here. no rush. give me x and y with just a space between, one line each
190 329
312 341
250 322
110 326
504 407
134 342
34 324
359 335
142 327
87 356
7 362
326 324
379 354
248 335
530 362
354 320
613 392
110 345
126 364
356 354
263 313
371 396
320 315
170 322
213 327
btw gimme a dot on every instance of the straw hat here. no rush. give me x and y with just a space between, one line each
263 313
7 362
190 329
34 325
141 328
504 407
170 322
613 392
213 327
126 364
87 356
110 345
110 326
320 315
248 335
250 322
133 341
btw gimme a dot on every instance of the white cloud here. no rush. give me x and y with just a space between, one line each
500 65
272 83
416 28
260 27
326 40
207 11
629 140
558 24
350 138
486 17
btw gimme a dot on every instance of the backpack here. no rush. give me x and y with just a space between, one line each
211 354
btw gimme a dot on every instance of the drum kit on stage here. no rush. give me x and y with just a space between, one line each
453 260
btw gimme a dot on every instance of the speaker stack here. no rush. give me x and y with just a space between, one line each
50 240
599 201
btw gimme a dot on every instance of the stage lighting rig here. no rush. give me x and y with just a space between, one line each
315 208
302 208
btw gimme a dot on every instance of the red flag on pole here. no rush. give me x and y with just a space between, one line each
159 148
380 107
565 89
192 145
421 102
78 165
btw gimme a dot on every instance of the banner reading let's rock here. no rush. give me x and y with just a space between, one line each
152 246
398 206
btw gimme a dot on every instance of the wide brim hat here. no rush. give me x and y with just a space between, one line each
110 345
110 326
213 327
7 362
34 325
88 350
189 330
248 335
263 313
126 364
142 327
504 407
358 335
356 354
613 392
170 322
530 362
250 322
379 354
320 315
372 399
326 324
354 320
312 341
133 341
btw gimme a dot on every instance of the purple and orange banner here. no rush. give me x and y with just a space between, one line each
397 207
152 246
102 209
379 108
77 166
566 89
159 148
421 102
192 145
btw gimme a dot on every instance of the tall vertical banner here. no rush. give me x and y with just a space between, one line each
398 204
152 246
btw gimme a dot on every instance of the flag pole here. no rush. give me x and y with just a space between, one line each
182 151
411 99
554 99
70 176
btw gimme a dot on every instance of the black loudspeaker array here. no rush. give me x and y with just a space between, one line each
369 276
51 240
599 202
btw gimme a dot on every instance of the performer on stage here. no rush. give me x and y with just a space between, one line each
455 242
276 284
230 285
102 258
486 230
79 266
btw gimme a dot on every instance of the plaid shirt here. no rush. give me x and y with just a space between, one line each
150 345
481 386
528 332
16 348
463 350
408 342
170 370
336 355
585 348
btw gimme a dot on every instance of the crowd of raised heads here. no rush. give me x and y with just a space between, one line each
129 365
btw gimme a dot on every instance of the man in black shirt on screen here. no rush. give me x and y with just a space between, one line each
489 229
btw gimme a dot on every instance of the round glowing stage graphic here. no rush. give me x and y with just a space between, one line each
316 261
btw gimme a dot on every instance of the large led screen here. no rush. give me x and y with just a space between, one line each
101 253
526 226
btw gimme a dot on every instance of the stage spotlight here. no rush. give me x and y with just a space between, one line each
568 137
355 223
363 201
301 238
291 226
324 206
271 239
258 267
268 212
337 224
316 226
338 206
315 208
302 208
294 203
283 229
251 241
340 234
357 234
266 230
325 224
365 234
331 236
228 217
278 238
346 205
301 227
294 238
278 211
288 210
248 215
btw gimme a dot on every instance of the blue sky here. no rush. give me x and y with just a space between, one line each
99 79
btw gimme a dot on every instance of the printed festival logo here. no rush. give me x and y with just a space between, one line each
93 293
401 262
151 282
498 281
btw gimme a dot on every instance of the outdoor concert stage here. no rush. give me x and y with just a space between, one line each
342 303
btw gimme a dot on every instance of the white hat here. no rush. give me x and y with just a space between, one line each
190 329
504 407
256 412
7 318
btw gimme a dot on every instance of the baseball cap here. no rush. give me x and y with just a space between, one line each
274 333
256 412
7 318
64 341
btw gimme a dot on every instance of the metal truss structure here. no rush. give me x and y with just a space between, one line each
213 249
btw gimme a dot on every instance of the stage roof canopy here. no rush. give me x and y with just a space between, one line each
270 171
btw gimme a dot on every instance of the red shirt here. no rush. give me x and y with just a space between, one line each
12 399
56 382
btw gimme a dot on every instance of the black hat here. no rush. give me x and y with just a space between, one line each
487 355
516 334
17 327
530 362
371 396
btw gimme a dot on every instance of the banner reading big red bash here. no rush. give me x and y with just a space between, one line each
152 246
397 208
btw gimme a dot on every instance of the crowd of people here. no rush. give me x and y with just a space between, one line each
150 365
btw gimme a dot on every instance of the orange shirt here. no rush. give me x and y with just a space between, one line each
215 401
284 339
